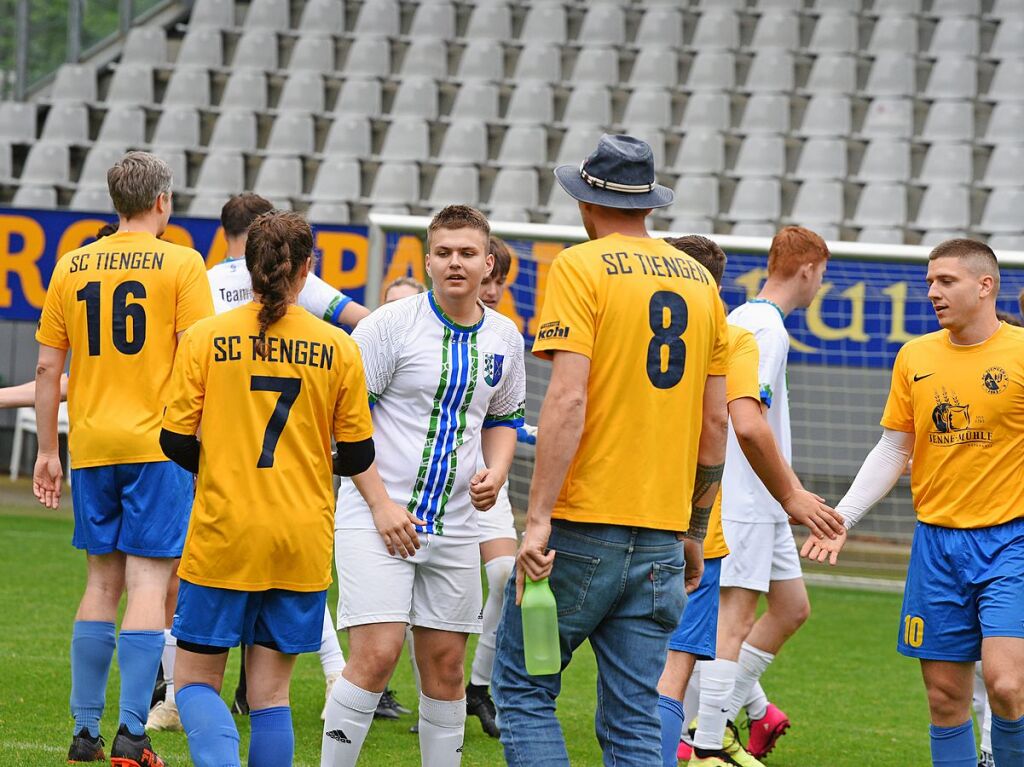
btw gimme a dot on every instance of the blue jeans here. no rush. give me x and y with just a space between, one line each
623 589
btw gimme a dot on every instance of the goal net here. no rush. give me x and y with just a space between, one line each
874 299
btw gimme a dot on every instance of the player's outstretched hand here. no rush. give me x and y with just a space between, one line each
397 526
810 510
534 560
819 549
484 487
47 480
694 563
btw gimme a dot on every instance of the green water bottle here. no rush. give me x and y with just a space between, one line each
540 629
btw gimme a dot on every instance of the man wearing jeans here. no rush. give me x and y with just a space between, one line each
631 434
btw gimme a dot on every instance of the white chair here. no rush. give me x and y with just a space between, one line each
25 421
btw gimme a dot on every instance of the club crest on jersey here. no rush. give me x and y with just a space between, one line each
492 368
952 421
995 380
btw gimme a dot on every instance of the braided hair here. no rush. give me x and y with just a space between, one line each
278 245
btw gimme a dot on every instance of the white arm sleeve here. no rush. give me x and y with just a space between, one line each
879 472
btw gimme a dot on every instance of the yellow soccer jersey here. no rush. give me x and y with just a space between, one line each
965 407
651 322
740 381
118 305
263 516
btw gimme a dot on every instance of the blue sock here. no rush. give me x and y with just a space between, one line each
92 647
671 712
272 740
1007 740
138 657
954 746
212 735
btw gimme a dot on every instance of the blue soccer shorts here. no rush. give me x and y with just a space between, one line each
962 585
140 509
697 632
291 622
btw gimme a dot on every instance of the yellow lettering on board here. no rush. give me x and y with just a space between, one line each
77 233
179 235
854 330
898 334
334 246
218 248
407 260
24 262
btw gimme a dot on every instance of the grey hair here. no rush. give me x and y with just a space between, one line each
136 180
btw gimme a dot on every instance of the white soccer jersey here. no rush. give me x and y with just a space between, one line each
434 386
231 284
744 497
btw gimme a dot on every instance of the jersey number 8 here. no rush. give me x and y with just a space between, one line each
666 353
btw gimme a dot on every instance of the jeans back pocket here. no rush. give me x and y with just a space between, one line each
669 594
571 575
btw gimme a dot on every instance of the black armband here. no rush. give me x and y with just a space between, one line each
353 457
183 449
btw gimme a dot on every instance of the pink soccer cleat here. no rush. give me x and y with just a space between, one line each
766 731
685 752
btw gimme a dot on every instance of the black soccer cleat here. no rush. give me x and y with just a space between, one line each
133 751
480 705
388 699
240 705
86 748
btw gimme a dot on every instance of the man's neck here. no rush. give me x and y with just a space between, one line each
143 224
976 332
779 295
628 227
236 249
463 311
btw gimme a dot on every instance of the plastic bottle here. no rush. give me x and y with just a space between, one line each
540 629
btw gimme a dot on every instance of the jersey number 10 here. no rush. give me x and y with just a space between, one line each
668 332
123 311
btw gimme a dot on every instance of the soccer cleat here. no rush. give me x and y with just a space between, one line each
480 705
389 699
986 760
385 707
718 759
240 705
133 751
85 748
685 751
160 688
766 731
331 679
164 717
732 747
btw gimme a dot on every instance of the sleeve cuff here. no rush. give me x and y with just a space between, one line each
544 349
335 309
513 420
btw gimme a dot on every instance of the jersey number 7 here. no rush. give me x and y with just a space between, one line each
289 389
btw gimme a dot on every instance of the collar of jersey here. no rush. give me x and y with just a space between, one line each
446 320
770 303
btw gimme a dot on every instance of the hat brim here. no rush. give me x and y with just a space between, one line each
570 180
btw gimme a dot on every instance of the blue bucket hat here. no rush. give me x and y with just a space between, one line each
618 174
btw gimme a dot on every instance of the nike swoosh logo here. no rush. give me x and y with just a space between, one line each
921 378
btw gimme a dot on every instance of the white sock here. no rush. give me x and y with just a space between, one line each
498 571
442 728
757 702
717 678
347 719
167 661
412 657
982 710
691 700
752 663
331 658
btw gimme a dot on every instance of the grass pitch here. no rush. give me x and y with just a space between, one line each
852 699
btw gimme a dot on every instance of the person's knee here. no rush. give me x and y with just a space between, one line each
795 616
1006 693
443 673
374 662
948 703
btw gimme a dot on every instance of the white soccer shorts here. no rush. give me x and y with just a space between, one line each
497 522
760 552
439 587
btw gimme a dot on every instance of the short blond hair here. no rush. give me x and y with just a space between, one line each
136 181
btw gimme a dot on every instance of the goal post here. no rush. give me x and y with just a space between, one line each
873 300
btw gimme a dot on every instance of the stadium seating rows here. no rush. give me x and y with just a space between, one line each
895 121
